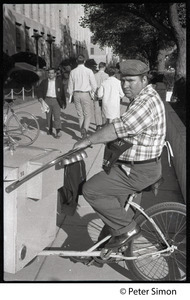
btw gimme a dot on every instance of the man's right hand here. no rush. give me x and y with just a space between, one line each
81 144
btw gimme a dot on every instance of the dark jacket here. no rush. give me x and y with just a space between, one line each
74 178
60 94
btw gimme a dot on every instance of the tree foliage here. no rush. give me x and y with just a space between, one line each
138 29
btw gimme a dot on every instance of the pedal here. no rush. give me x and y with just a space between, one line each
105 253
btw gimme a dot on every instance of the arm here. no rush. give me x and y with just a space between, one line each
40 91
100 92
93 81
121 94
106 134
70 85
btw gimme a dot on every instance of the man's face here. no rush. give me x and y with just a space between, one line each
51 74
132 85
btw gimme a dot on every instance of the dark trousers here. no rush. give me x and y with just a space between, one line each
108 194
55 112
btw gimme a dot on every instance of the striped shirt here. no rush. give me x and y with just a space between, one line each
144 125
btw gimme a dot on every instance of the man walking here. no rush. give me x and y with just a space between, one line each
51 91
100 76
81 84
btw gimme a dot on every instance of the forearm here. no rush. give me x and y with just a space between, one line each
106 134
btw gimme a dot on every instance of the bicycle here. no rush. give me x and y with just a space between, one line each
20 128
158 253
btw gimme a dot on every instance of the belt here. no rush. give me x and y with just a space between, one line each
156 159
81 92
51 97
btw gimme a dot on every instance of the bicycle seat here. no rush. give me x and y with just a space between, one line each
154 187
9 100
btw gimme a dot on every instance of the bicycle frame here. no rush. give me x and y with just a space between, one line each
92 253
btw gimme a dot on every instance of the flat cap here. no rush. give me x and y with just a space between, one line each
133 67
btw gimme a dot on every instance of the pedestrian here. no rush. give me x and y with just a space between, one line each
51 91
143 127
81 84
117 71
91 64
66 69
58 73
100 76
111 93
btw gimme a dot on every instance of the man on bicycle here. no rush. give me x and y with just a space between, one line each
143 126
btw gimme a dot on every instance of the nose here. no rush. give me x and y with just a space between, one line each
125 84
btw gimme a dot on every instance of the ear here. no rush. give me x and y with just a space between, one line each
145 80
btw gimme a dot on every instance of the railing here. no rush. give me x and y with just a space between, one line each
22 91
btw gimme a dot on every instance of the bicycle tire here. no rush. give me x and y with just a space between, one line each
171 219
23 128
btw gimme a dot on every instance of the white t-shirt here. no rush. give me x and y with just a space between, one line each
111 92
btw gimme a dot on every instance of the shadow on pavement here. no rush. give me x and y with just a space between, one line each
82 233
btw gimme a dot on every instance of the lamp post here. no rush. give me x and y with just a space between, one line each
36 36
50 40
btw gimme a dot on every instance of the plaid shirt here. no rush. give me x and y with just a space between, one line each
144 125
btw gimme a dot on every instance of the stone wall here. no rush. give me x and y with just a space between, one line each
176 135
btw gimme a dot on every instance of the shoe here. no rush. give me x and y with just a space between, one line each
49 132
118 241
58 134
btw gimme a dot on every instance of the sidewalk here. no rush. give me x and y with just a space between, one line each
80 231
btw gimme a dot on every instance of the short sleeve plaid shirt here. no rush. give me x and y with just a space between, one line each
144 125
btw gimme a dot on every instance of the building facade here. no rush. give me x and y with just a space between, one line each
51 30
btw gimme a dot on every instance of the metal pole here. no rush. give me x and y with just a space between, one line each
37 61
50 44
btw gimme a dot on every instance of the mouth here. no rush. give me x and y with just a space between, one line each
127 91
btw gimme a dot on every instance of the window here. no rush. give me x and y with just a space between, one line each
38 12
23 9
31 11
92 51
59 17
92 40
27 38
18 37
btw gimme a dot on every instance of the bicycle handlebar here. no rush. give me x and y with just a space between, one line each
79 154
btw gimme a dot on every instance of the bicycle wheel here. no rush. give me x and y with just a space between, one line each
23 128
171 219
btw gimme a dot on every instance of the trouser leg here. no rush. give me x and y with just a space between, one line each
108 194
78 106
57 115
49 114
86 103
97 113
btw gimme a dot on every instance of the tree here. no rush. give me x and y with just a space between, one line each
111 22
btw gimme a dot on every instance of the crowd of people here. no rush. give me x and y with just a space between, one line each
92 88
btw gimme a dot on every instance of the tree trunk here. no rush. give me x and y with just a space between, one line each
180 36
161 60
